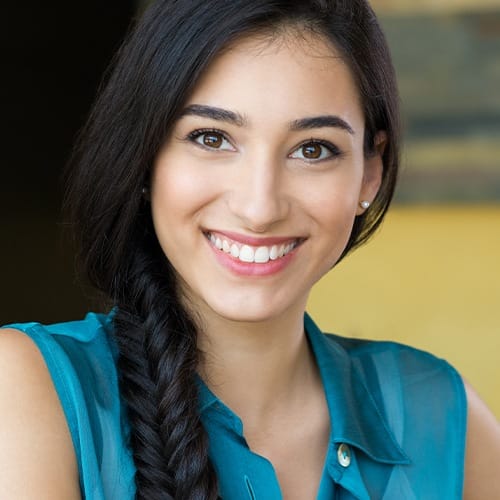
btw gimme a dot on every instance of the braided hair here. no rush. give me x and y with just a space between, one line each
151 77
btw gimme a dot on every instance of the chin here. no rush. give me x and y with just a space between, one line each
246 310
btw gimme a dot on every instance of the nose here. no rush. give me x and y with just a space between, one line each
259 195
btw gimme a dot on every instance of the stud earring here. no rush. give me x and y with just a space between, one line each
364 204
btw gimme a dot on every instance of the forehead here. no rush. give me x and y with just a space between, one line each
298 72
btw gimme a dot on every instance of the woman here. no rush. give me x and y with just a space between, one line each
238 152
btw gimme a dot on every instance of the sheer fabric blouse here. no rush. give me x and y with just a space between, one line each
398 419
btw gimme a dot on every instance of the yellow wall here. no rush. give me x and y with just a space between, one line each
430 278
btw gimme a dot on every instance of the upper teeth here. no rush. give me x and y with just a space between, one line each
247 253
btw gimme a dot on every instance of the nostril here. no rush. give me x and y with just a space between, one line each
251 493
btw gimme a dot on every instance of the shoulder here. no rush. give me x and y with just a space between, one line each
422 400
411 366
395 373
427 387
483 450
78 363
79 358
37 453
72 349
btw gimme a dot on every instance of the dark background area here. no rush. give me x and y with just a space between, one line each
53 58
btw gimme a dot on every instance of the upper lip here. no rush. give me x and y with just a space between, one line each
252 240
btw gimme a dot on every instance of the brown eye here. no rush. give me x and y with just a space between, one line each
312 151
212 140
315 151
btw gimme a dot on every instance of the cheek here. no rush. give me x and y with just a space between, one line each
333 210
334 204
178 192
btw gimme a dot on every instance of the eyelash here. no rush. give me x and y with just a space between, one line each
333 150
195 134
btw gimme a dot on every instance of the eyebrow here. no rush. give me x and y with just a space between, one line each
321 121
214 113
224 115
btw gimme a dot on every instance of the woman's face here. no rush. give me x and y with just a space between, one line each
255 191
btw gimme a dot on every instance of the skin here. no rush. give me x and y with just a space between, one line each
482 459
253 185
252 179
37 458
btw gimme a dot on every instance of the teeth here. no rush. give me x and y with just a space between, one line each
273 254
261 255
246 253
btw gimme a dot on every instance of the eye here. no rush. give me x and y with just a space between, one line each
315 151
211 139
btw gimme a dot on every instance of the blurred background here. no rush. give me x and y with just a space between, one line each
429 278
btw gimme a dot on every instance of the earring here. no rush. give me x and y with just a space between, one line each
364 204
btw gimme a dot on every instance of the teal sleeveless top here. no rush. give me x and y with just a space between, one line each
398 419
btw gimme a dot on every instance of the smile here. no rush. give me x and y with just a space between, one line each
249 253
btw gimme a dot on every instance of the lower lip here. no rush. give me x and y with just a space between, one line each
240 268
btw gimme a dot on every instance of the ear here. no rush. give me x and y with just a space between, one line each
372 174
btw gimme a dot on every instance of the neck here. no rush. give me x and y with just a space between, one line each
258 369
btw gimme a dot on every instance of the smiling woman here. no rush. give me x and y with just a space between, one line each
245 171
238 152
